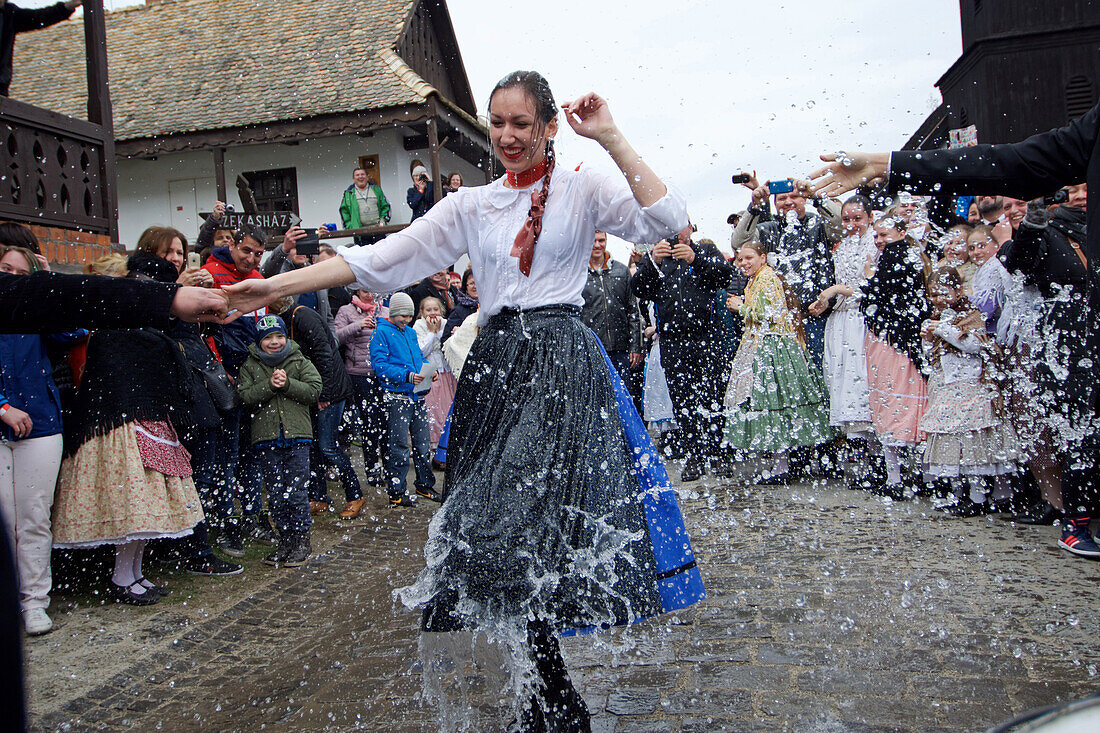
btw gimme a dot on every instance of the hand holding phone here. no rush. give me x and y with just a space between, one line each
784 186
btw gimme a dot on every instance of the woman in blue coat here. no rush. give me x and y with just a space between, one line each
30 454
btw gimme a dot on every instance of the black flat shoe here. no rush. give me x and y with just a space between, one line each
125 594
151 588
1041 514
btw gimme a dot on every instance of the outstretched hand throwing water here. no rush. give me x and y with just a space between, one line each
847 171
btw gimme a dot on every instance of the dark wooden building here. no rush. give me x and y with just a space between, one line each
59 169
1027 66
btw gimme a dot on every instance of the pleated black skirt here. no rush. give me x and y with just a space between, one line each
543 516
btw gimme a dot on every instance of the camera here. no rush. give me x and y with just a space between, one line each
1058 197
423 177
742 178
229 209
784 186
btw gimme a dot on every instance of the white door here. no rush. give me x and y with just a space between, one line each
186 198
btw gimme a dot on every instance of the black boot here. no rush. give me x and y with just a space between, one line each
298 551
563 709
694 468
230 539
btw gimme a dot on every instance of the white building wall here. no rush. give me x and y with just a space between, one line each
173 189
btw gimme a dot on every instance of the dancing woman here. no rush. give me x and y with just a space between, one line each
553 489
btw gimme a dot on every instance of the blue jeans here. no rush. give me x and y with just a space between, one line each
237 463
285 470
249 473
406 418
629 375
327 451
815 338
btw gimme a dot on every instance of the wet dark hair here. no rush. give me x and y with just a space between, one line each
536 87
14 234
538 91
858 200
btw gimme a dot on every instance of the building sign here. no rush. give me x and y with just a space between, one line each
270 221
965 137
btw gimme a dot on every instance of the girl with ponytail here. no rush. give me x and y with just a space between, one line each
553 488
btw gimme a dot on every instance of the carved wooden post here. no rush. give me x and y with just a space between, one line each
433 149
99 105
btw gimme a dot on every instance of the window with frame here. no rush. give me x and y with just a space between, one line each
275 190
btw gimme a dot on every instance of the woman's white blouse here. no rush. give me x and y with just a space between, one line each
483 221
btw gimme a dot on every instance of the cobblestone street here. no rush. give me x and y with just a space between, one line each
828 610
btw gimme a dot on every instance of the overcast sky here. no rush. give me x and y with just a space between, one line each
703 88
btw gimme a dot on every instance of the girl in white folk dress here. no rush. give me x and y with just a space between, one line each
845 359
967 439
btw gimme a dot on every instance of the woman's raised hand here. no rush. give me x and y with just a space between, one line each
589 117
196 276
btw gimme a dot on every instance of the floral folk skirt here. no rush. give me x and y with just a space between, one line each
776 399
107 494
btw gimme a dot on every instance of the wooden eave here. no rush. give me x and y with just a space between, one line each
288 131
999 45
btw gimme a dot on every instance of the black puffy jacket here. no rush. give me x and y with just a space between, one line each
611 310
310 332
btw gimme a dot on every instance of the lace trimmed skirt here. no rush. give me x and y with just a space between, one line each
108 493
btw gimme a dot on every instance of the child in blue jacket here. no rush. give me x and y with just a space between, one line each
397 360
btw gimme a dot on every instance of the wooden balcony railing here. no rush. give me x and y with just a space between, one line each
53 169
57 170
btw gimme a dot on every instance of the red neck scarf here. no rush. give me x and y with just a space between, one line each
529 176
524 247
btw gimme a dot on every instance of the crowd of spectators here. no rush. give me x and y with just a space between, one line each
853 339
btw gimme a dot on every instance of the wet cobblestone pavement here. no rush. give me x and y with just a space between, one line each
829 610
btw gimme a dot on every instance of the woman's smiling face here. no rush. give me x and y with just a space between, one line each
518 138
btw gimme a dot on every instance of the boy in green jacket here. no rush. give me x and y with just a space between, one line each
279 384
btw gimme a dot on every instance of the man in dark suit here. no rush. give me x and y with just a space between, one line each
1035 167
683 280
